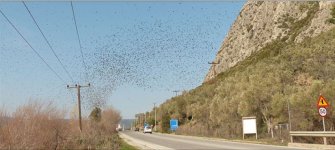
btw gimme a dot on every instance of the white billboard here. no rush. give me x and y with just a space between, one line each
249 125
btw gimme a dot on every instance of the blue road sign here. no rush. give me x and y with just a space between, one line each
173 124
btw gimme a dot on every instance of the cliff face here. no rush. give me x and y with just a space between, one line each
262 22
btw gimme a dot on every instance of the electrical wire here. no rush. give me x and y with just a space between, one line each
31 47
53 51
80 46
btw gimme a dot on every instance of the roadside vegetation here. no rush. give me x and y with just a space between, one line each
125 146
38 125
282 73
332 19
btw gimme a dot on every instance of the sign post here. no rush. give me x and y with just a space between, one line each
322 105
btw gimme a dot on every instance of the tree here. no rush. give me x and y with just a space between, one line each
165 122
95 115
110 118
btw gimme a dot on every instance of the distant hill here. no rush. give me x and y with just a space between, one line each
127 123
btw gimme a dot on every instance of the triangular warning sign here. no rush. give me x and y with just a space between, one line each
322 102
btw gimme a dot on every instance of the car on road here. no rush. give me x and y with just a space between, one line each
137 129
147 129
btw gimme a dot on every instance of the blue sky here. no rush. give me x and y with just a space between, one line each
137 53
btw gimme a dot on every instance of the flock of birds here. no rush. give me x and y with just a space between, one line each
163 54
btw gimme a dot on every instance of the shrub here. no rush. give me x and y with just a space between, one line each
38 125
34 126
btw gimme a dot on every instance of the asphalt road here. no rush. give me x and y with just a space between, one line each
165 141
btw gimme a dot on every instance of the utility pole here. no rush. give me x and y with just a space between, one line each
145 117
139 120
287 101
79 103
176 91
155 117
213 63
289 114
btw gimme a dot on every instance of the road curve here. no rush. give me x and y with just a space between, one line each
166 141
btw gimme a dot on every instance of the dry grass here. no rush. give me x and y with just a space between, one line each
39 125
33 126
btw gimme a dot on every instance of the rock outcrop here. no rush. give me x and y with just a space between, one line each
262 22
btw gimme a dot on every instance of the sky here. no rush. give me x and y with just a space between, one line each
133 54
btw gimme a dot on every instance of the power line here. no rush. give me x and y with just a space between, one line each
31 46
53 51
80 46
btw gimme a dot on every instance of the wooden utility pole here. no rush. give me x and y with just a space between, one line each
79 103
213 63
176 91
155 117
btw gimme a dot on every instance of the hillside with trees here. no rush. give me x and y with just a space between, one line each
263 85
285 76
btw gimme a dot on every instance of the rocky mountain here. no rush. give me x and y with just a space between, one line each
274 63
262 22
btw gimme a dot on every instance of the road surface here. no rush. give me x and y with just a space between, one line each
165 141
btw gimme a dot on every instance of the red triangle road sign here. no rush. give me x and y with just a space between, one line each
322 102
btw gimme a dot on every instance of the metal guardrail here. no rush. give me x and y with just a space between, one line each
323 134
313 133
